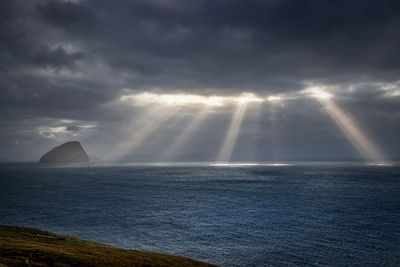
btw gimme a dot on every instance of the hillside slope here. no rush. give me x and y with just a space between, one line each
31 247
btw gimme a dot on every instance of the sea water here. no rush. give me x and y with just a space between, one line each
227 214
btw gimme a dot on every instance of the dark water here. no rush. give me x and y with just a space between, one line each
304 214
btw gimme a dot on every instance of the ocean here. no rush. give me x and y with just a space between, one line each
313 214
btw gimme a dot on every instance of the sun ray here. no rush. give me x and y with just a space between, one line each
274 141
153 121
185 134
256 115
358 139
232 134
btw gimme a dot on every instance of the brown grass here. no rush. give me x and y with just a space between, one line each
31 247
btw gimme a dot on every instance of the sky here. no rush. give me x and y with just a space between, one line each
201 80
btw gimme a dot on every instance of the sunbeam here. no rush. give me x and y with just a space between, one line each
358 139
153 121
185 134
232 134
273 123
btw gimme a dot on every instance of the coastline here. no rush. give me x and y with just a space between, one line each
21 246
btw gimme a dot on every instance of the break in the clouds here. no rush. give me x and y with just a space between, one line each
67 69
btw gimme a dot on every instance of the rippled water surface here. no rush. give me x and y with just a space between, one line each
230 215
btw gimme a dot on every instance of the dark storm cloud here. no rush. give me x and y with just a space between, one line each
57 58
236 41
67 15
72 60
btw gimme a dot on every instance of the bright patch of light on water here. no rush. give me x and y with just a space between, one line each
241 164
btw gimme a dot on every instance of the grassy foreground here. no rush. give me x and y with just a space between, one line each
31 247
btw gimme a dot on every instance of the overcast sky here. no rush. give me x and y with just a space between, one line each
97 71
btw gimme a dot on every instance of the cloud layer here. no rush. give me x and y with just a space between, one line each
64 66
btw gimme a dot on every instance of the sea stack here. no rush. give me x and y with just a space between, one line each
69 152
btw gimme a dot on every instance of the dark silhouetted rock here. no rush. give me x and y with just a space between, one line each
66 153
